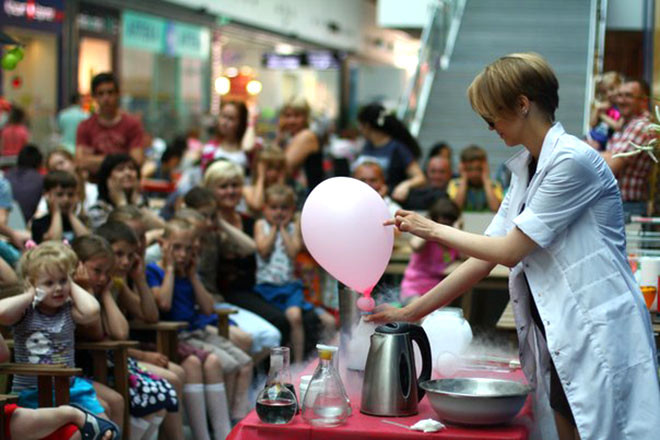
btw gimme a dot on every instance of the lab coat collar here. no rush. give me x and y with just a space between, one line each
519 162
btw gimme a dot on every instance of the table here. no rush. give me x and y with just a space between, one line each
362 427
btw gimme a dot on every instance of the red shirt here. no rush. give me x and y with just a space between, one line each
634 178
121 137
14 137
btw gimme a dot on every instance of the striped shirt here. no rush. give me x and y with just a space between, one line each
43 339
634 178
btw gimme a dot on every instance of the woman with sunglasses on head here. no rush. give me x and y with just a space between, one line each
585 338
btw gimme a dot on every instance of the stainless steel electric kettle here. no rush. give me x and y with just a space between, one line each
390 386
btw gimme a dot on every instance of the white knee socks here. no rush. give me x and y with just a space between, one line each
216 404
152 432
195 403
139 427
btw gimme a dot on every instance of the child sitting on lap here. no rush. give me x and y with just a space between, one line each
278 241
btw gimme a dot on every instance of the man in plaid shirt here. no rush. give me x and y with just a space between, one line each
632 172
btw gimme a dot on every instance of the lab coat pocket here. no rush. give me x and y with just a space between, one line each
619 332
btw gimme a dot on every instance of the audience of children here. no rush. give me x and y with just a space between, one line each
230 243
474 190
429 259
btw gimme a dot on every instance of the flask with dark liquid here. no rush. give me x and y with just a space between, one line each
277 402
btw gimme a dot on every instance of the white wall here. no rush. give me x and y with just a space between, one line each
403 14
307 19
625 14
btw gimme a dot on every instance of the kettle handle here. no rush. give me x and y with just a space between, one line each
417 334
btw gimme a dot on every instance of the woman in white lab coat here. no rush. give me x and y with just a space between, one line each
584 333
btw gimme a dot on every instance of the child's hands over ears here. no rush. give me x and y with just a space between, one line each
485 172
168 258
81 277
138 269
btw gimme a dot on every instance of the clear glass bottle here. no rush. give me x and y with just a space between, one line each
277 403
326 402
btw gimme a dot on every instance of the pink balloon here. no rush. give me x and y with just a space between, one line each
342 226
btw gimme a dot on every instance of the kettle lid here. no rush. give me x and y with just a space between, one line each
395 328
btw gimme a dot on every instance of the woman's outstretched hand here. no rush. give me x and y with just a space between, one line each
386 313
416 224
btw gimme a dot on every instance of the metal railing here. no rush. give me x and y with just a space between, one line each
437 45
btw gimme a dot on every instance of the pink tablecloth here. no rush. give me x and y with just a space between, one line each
362 427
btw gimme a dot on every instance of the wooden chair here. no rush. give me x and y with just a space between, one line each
166 337
52 379
119 350
223 319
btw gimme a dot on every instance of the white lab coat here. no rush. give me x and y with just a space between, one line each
597 327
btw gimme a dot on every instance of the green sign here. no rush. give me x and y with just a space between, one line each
189 40
155 34
142 31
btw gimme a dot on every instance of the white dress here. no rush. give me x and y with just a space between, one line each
597 327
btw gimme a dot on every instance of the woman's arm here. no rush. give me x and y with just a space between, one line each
264 242
415 178
507 250
254 194
301 145
455 284
416 243
86 308
244 244
13 308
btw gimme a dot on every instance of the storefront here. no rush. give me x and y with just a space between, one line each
165 72
98 43
278 69
35 83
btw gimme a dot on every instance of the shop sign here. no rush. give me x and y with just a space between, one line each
96 23
33 11
155 34
315 59
142 31
189 40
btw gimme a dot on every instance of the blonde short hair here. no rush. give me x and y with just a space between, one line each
495 91
222 170
273 156
177 225
298 104
281 192
48 256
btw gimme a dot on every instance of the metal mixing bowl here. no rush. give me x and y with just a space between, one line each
476 401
